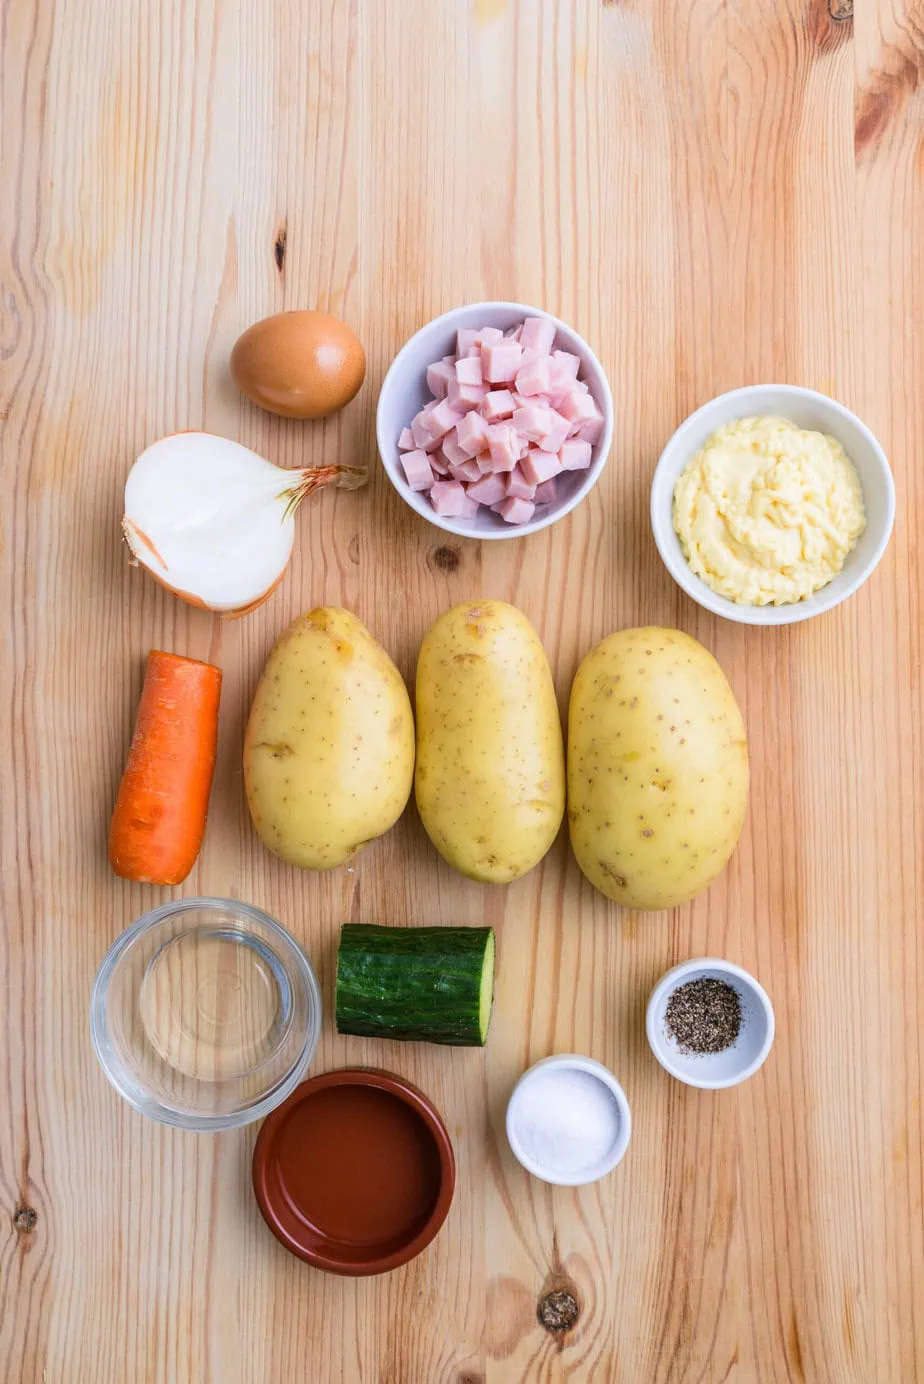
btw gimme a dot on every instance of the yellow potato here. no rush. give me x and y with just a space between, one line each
329 748
490 778
657 768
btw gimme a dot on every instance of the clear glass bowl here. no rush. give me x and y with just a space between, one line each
205 1014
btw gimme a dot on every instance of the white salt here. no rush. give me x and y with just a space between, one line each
566 1119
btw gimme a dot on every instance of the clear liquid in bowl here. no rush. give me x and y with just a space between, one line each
213 1004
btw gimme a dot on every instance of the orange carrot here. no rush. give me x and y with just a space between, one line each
159 818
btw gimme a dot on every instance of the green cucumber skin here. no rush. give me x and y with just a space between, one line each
415 984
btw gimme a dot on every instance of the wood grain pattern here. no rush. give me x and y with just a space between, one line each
714 193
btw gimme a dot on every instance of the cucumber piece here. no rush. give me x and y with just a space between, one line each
433 984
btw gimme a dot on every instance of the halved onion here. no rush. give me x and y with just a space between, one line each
214 522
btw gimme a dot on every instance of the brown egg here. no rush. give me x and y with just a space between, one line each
299 364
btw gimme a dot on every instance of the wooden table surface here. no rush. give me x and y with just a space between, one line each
715 193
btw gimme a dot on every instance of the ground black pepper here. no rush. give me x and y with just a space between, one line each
704 1016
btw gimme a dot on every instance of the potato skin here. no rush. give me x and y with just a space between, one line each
329 746
490 778
657 768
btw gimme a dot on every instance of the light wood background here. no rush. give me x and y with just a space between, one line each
714 192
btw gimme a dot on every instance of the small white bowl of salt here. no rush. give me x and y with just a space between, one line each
568 1120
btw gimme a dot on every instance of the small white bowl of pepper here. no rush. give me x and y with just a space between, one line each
709 1023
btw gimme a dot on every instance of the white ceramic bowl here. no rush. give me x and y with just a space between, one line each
806 409
712 1071
404 392
594 1170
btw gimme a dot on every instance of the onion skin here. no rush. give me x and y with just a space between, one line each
188 596
236 614
255 605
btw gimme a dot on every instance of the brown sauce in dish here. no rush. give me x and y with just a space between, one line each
357 1165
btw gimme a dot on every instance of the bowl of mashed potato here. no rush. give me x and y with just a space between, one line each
772 504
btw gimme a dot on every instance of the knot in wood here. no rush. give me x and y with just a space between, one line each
447 559
25 1219
558 1311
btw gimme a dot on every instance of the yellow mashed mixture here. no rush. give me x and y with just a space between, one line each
767 513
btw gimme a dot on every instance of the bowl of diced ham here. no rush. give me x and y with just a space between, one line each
494 420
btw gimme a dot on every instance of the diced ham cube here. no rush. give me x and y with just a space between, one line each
468 370
406 440
496 404
575 455
516 511
466 338
503 446
565 387
519 486
533 422
464 397
488 334
531 400
420 431
453 453
525 445
578 407
590 432
439 464
469 508
539 466
472 434
438 378
489 490
559 431
500 360
566 362
440 419
448 498
539 333
547 492
552 442
416 466
561 382
533 377
466 471
513 333
503 428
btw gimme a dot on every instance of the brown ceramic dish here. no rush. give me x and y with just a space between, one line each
354 1173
